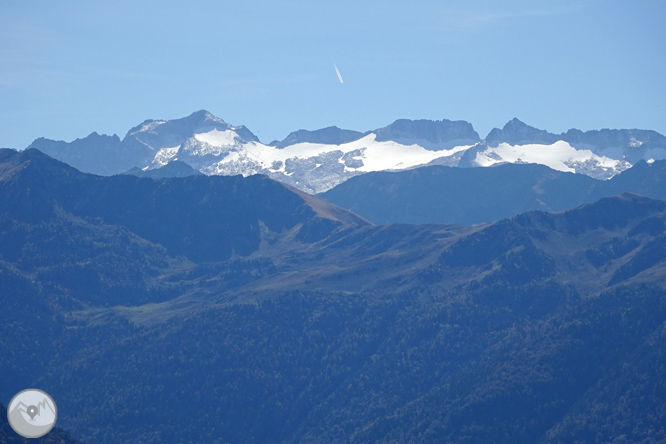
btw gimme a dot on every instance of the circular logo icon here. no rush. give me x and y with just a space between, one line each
32 413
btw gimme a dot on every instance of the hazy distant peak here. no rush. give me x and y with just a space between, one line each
618 137
331 135
92 137
146 125
95 136
431 130
437 134
516 132
202 113
201 117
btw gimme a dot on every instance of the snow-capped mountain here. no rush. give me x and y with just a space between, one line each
315 161
314 167
164 139
599 154
560 156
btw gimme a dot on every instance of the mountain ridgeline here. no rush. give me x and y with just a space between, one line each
240 310
468 196
316 161
634 144
210 218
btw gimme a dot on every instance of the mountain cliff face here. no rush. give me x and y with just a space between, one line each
516 132
432 135
96 154
316 161
328 136
631 145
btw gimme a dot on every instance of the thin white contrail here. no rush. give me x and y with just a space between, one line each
337 71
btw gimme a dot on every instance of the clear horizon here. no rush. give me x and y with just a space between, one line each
70 70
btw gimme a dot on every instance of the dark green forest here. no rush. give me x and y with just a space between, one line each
323 328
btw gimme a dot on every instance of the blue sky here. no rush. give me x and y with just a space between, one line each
70 68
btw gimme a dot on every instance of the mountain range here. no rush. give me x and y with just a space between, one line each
472 196
316 161
242 310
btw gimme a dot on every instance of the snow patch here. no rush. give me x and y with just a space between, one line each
559 156
375 156
217 137
317 167
164 156
635 143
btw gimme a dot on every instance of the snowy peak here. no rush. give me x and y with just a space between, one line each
628 145
198 120
430 134
331 135
198 140
159 134
518 142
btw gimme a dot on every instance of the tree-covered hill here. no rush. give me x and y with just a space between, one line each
449 195
543 327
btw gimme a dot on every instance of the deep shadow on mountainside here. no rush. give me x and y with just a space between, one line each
467 196
317 326
175 168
